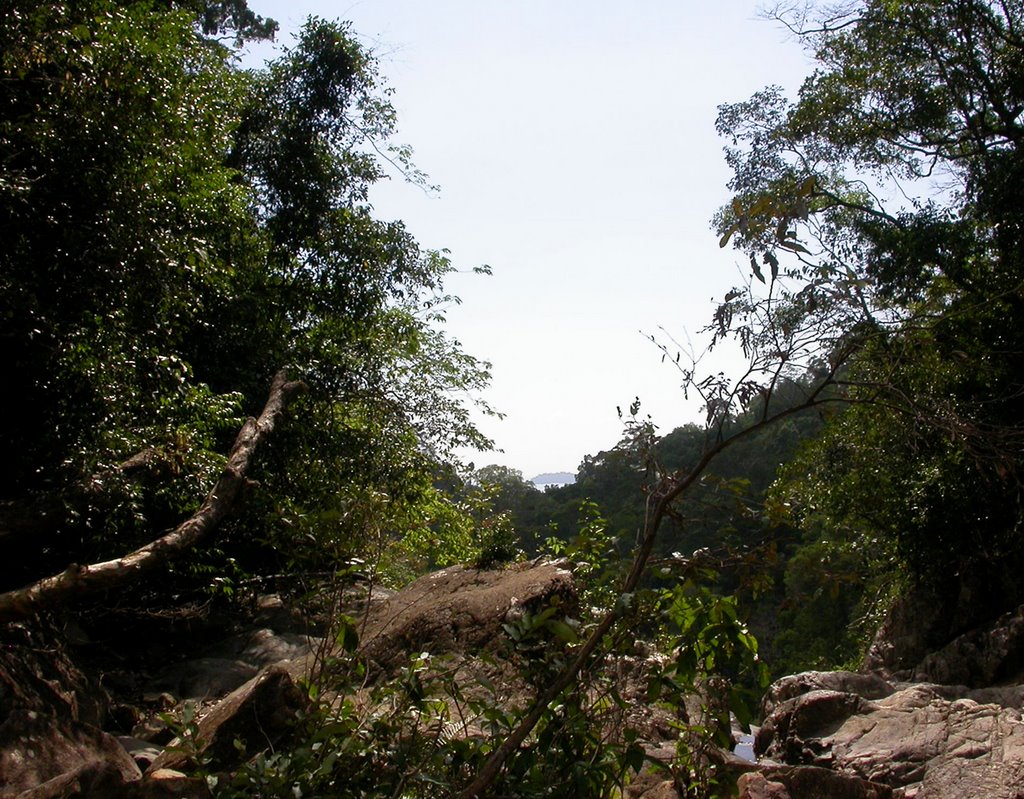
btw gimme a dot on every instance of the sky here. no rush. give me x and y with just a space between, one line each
575 148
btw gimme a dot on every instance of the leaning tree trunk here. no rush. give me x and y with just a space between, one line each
76 580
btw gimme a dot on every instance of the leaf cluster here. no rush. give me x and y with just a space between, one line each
176 231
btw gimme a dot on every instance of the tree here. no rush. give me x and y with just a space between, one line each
877 209
177 231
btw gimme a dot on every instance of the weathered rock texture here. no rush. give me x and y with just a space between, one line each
52 742
839 734
460 610
50 716
59 757
990 654
925 619
807 782
920 739
251 719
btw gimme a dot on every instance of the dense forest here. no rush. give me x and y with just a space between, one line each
223 368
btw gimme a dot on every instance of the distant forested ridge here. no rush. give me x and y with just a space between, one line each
880 215
225 372
553 478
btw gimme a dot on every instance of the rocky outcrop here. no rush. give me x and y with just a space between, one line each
988 655
807 782
37 675
825 734
53 757
251 719
51 714
460 609
920 740
936 713
928 617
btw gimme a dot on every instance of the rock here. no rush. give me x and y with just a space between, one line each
1004 695
266 647
984 656
258 714
811 782
793 731
54 757
869 686
274 613
94 778
167 783
202 678
917 623
915 740
37 674
755 785
650 785
142 752
928 617
459 609
50 711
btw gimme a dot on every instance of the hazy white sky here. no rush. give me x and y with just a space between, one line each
574 144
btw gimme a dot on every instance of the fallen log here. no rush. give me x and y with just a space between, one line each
76 580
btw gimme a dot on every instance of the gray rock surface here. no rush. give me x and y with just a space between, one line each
868 686
807 782
459 609
256 716
983 656
924 744
203 678
55 757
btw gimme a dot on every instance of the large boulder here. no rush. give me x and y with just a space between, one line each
868 686
37 674
53 757
460 609
928 616
807 782
987 655
51 744
203 678
252 718
920 739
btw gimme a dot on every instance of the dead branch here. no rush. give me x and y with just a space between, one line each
77 581
659 504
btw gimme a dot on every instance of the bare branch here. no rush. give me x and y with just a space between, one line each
76 580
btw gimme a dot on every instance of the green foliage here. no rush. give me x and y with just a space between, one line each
528 510
176 230
597 562
426 730
890 171
188 741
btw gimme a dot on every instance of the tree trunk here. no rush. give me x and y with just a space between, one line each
76 580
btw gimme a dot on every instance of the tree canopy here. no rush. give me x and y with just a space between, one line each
176 231
878 210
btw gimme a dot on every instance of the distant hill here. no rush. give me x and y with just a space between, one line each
553 479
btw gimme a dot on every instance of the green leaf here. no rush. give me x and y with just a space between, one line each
634 757
347 637
563 631
794 247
